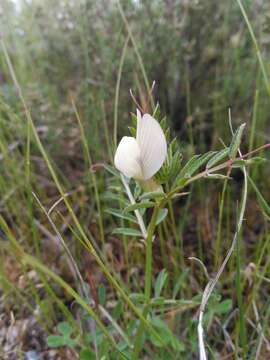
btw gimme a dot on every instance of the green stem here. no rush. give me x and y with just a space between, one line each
254 121
148 262
162 247
256 46
148 281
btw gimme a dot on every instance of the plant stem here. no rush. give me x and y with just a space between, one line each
148 261
148 281
119 75
256 46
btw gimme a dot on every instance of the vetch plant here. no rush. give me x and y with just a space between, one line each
155 164
126 322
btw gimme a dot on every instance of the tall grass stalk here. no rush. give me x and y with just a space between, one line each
117 89
256 46
140 60
148 280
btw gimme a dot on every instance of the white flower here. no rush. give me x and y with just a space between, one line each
142 157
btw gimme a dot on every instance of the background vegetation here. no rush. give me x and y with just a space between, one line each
75 62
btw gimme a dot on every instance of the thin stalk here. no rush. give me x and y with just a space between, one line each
106 131
148 87
188 105
175 233
148 263
254 120
116 100
148 281
256 46
162 247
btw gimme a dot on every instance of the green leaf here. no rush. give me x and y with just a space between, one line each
137 191
119 214
55 341
112 170
152 195
166 335
127 231
185 170
137 297
223 307
261 200
236 140
177 345
180 282
132 131
162 213
217 158
122 346
194 164
117 310
102 294
64 328
87 354
141 205
255 160
217 176
160 282
238 163
200 162
158 301
71 342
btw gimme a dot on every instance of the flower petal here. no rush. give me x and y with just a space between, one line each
152 143
127 158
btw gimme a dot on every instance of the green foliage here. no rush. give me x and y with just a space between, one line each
121 215
160 282
162 213
64 339
166 335
219 156
141 205
102 294
236 141
127 231
87 354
